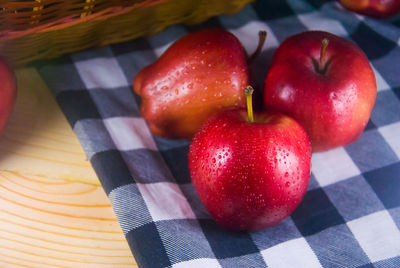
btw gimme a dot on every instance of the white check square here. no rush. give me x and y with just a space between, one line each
391 133
129 133
317 21
166 201
198 263
381 84
292 253
249 38
333 166
377 235
103 73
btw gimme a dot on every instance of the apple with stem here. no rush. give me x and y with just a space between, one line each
8 92
250 170
326 83
197 76
373 8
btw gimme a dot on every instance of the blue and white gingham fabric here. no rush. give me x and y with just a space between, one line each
350 216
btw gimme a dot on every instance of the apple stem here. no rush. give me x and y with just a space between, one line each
248 91
262 36
324 44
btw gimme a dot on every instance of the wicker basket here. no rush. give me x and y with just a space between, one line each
37 29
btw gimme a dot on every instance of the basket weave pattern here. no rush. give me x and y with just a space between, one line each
37 29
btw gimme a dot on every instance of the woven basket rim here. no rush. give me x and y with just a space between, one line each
73 19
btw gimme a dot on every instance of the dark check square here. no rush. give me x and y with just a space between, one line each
147 166
177 161
387 65
148 247
280 233
354 198
115 102
337 247
225 243
127 47
386 183
318 3
371 151
397 91
110 164
370 125
380 46
386 109
101 52
77 105
316 213
272 9
210 23
56 72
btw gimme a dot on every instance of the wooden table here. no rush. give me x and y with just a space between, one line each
53 211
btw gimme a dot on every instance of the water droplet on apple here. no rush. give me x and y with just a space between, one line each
209 65
190 86
227 81
164 87
206 87
287 184
193 67
177 91
287 174
203 100
214 160
187 101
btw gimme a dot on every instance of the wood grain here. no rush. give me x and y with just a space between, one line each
46 220
38 139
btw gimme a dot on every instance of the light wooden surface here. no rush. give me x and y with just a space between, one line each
53 213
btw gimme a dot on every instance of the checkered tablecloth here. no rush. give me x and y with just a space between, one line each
350 216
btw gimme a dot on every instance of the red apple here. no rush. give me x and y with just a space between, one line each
8 92
200 74
250 175
373 8
328 86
